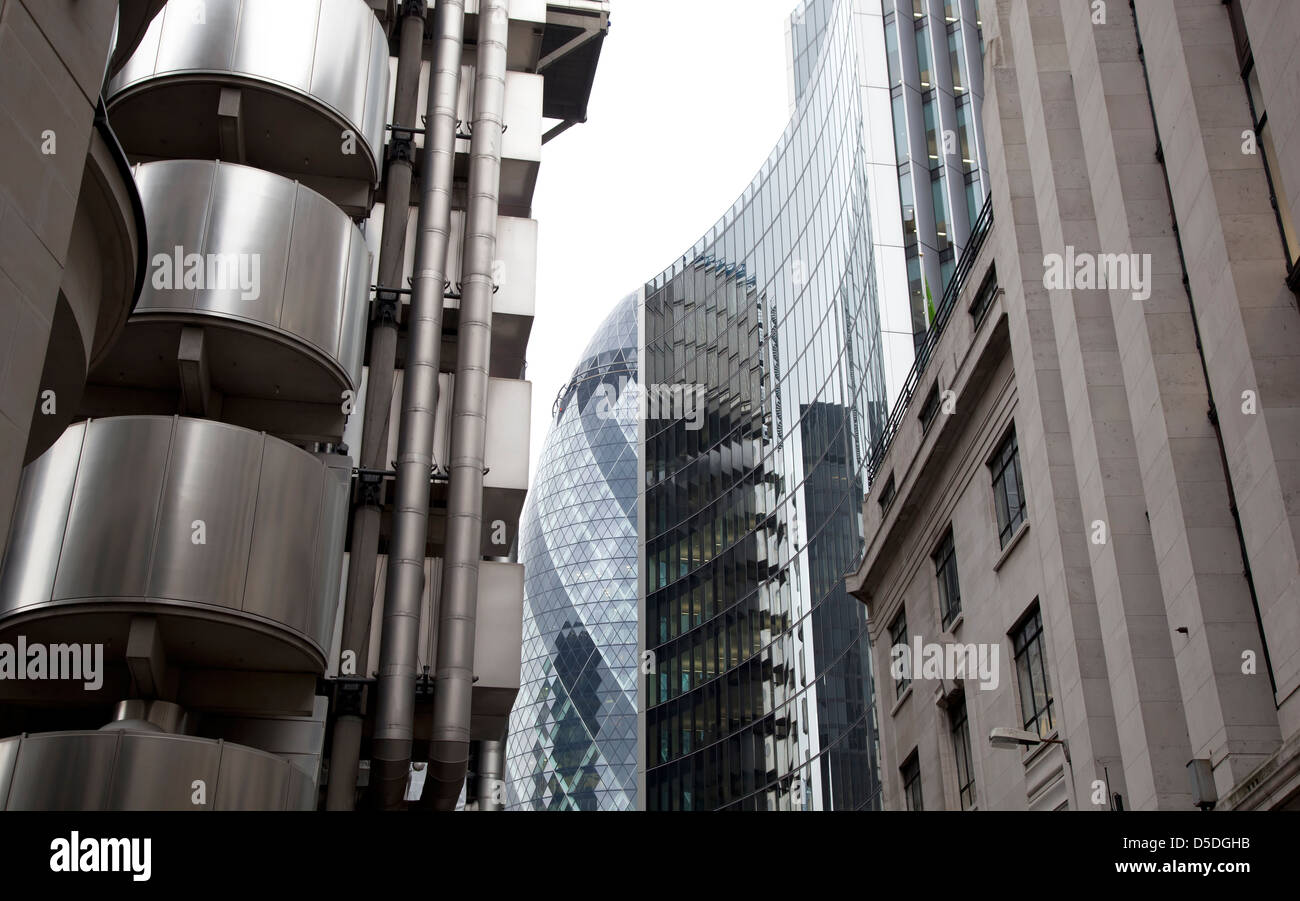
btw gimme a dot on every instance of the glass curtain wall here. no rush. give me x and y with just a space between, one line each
758 689
572 739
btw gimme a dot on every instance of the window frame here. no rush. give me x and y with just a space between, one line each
963 751
944 557
910 773
898 635
1028 637
1007 456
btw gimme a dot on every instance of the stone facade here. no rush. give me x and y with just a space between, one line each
1156 416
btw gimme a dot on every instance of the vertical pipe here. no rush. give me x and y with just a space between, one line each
358 601
449 748
490 785
395 711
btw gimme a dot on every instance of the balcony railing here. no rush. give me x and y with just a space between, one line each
979 231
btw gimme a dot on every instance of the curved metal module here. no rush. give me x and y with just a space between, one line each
279 84
136 770
232 539
274 275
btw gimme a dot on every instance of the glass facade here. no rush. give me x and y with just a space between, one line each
758 690
934 80
572 739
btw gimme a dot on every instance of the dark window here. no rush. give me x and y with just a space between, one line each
1031 675
887 493
911 773
897 638
945 568
1008 488
1264 135
962 751
930 408
979 307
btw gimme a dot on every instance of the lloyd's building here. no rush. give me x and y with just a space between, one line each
267 279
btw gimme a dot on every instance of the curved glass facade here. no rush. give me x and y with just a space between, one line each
760 694
572 739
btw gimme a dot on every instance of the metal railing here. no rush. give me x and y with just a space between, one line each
979 231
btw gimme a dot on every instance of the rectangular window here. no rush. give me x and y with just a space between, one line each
974 198
964 135
979 307
923 56
887 493
911 773
945 568
962 752
898 638
1273 170
1008 488
931 130
939 196
901 151
930 408
957 62
1031 675
891 53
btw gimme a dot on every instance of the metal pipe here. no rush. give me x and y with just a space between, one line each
454 673
398 655
490 785
359 599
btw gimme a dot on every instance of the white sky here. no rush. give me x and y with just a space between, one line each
689 98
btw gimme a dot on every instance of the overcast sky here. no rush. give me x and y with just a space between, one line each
689 98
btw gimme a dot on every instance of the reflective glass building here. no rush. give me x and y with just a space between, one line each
759 694
572 739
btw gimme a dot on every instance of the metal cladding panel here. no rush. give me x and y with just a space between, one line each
157 771
317 284
213 480
330 539
498 644
428 611
282 563
301 256
252 780
522 139
509 402
516 255
251 219
516 263
109 539
117 523
8 757
193 36
277 40
127 770
175 197
301 793
528 10
63 771
40 519
332 51
352 340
